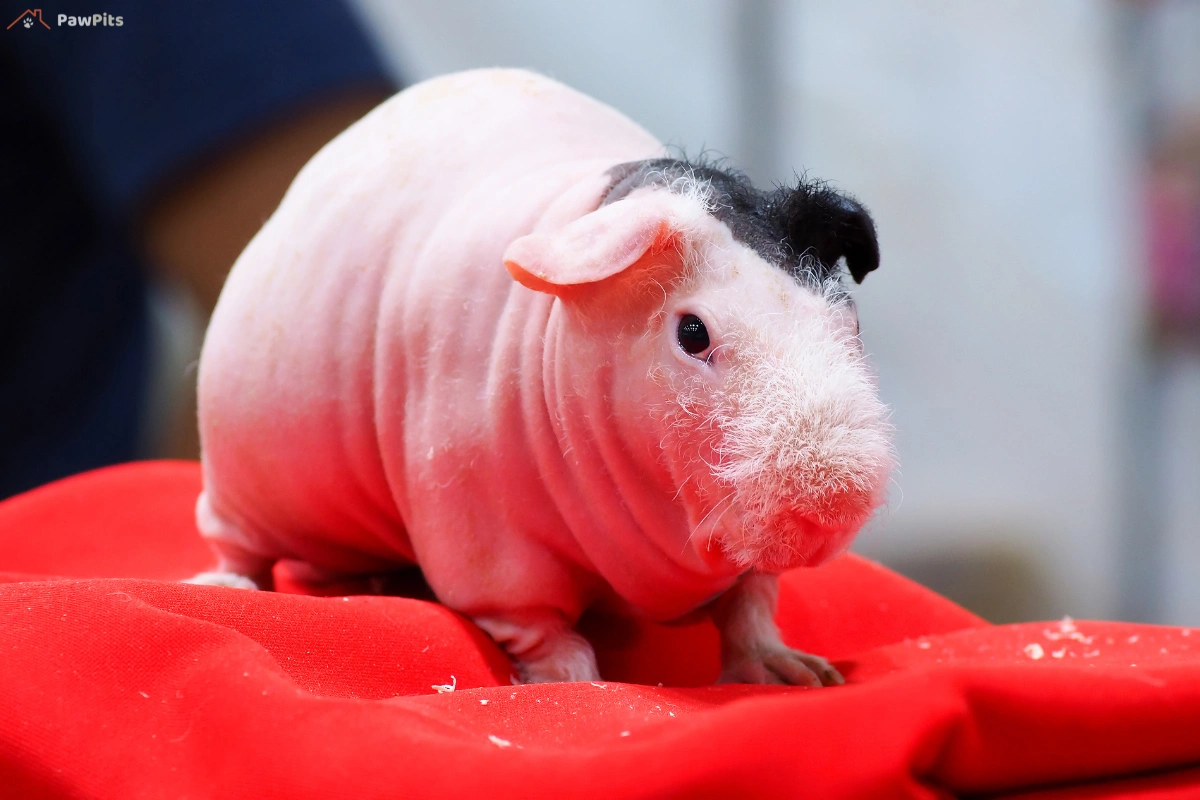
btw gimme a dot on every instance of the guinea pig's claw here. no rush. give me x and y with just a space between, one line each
570 659
228 579
782 666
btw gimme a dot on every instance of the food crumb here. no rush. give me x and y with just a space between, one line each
1034 651
443 688
483 702
143 694
1059 653
1133 639
496 740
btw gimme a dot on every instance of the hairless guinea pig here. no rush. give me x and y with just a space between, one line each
491 330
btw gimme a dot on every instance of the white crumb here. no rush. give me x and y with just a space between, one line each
496 740
1034 651
443 688
924 645
1091 654
1133 639
483 702
1059 653
1067 630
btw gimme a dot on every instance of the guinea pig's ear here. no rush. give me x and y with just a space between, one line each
832 225
596 246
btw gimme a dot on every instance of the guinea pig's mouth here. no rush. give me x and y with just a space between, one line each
779 544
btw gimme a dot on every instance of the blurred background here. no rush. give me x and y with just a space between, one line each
1033 168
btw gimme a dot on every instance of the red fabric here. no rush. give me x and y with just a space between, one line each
135 686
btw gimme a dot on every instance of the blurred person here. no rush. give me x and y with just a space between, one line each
150 146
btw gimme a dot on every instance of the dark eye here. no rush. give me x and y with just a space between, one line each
693 336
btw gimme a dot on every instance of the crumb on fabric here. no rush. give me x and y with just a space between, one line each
496 740
483 702
1067 630
1034 651
443 688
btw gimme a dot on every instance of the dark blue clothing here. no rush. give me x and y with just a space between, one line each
93 122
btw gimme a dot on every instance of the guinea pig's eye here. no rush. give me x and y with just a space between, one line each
693 336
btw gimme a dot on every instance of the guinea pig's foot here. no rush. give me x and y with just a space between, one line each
782 665
229 579
570 658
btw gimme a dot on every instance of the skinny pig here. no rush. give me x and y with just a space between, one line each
493 331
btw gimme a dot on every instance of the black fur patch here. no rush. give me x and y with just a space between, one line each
781 226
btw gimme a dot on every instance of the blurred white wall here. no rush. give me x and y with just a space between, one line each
987 140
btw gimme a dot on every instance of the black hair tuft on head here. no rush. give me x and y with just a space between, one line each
785 226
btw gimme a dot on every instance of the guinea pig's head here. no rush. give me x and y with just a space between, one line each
730 352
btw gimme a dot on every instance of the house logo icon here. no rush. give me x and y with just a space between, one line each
28 18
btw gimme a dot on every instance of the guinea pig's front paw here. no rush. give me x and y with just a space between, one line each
229 579
570 659
781 665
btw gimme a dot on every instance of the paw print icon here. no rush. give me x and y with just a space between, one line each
28 18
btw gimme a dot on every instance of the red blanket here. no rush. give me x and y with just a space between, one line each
137 686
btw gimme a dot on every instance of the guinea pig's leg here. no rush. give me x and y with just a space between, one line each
237 568
544 646
751 650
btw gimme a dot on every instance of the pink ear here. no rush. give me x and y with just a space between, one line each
592 248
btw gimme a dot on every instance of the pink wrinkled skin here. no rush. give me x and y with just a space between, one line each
438 350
